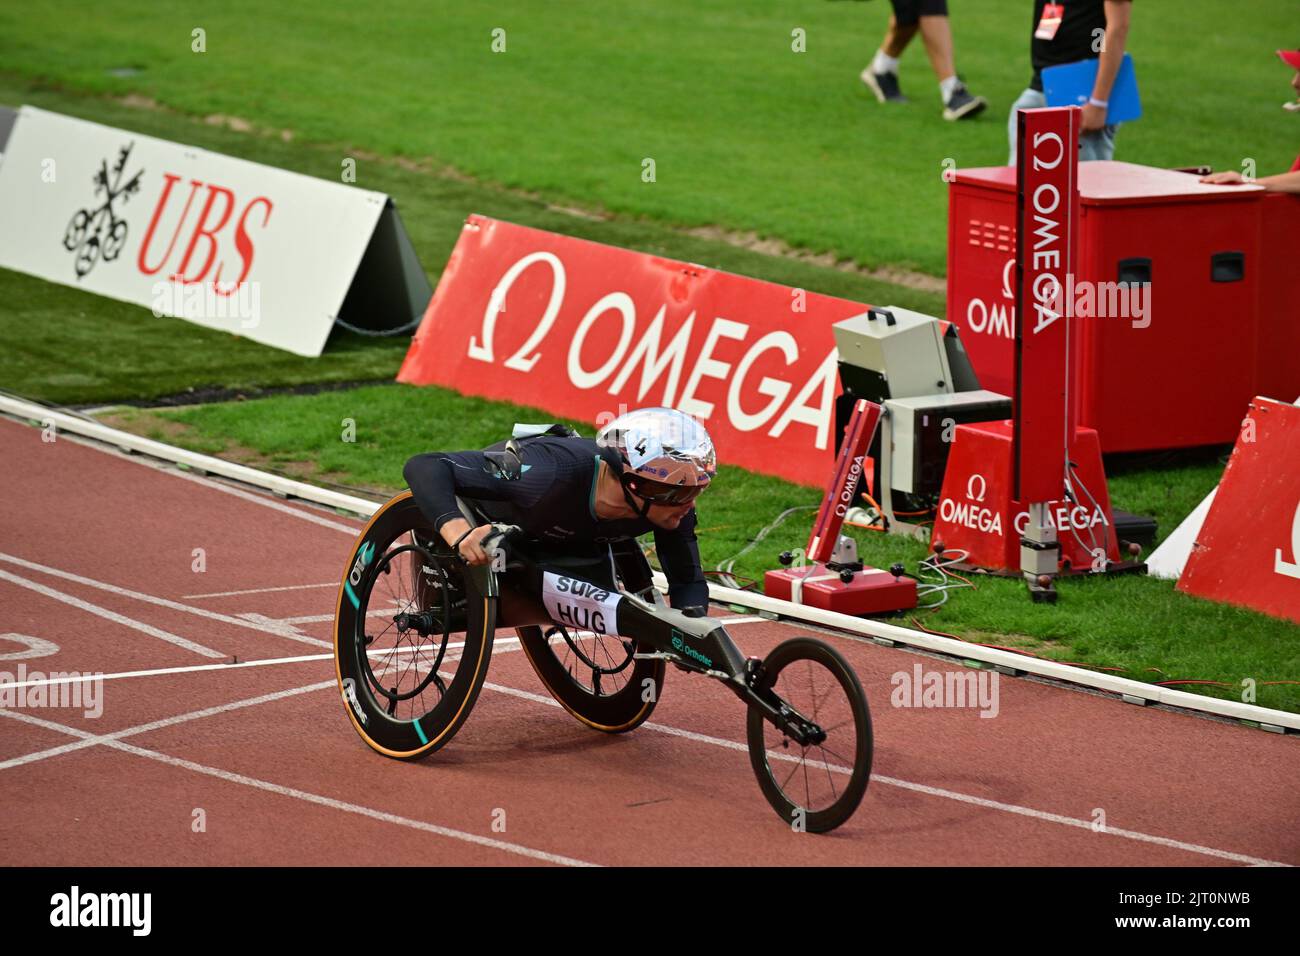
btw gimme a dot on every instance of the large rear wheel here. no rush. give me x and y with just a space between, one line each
595 677
413 634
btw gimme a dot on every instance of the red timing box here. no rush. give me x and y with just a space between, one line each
869 591
1248 550
1222 301
1277 368
978 515
585 330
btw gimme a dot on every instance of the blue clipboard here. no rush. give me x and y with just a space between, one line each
1070 84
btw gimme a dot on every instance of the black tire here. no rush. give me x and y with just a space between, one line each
595 678
815 812
396 712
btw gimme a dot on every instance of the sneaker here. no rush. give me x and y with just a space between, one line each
884 85
961 104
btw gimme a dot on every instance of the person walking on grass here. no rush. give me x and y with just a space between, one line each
930 19
1066 32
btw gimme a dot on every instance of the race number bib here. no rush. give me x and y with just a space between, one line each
580 605
1051 21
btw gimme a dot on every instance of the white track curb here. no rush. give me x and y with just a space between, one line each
363 507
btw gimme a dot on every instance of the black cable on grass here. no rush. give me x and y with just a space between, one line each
724 568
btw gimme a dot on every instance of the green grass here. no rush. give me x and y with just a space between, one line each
1139 624
62 345
744 132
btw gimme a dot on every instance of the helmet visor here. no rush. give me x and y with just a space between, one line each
660 493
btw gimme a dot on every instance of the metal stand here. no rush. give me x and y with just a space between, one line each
1040 555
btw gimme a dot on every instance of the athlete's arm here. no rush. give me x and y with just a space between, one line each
438 477
679 555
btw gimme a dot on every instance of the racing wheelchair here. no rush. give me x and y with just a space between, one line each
414 628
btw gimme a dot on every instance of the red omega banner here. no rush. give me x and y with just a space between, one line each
1248 550
1047 224
584 330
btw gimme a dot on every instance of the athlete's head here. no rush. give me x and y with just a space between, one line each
668 460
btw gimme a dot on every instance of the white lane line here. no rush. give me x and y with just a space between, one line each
289 633
744 620
288 587
933 791
502 845
113 616
114 741
1077 824
161 671
322 618
88 739
501 643
266 502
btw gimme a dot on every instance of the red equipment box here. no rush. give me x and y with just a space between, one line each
1193 361
979 515
869 591
1278 364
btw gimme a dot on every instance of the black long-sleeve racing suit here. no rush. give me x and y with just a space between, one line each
554 501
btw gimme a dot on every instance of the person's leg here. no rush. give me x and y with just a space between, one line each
937 34
1098 145
936 31
1030 99
897 37
881 75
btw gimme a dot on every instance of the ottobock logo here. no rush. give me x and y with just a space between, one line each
99 233
359 566
350 696
1290 569
74 908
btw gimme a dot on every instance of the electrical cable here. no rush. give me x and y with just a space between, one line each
724 568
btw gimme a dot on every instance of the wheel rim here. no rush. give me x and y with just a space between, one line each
598 664
403 632
813 777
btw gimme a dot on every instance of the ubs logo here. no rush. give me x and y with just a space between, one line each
99 233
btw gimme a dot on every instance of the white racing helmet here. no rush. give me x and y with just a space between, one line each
667 456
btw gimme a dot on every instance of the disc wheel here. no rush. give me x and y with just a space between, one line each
412 635
594 676
814 787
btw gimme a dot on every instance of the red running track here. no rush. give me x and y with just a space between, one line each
97 557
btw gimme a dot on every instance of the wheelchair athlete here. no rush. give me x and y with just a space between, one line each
642 473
